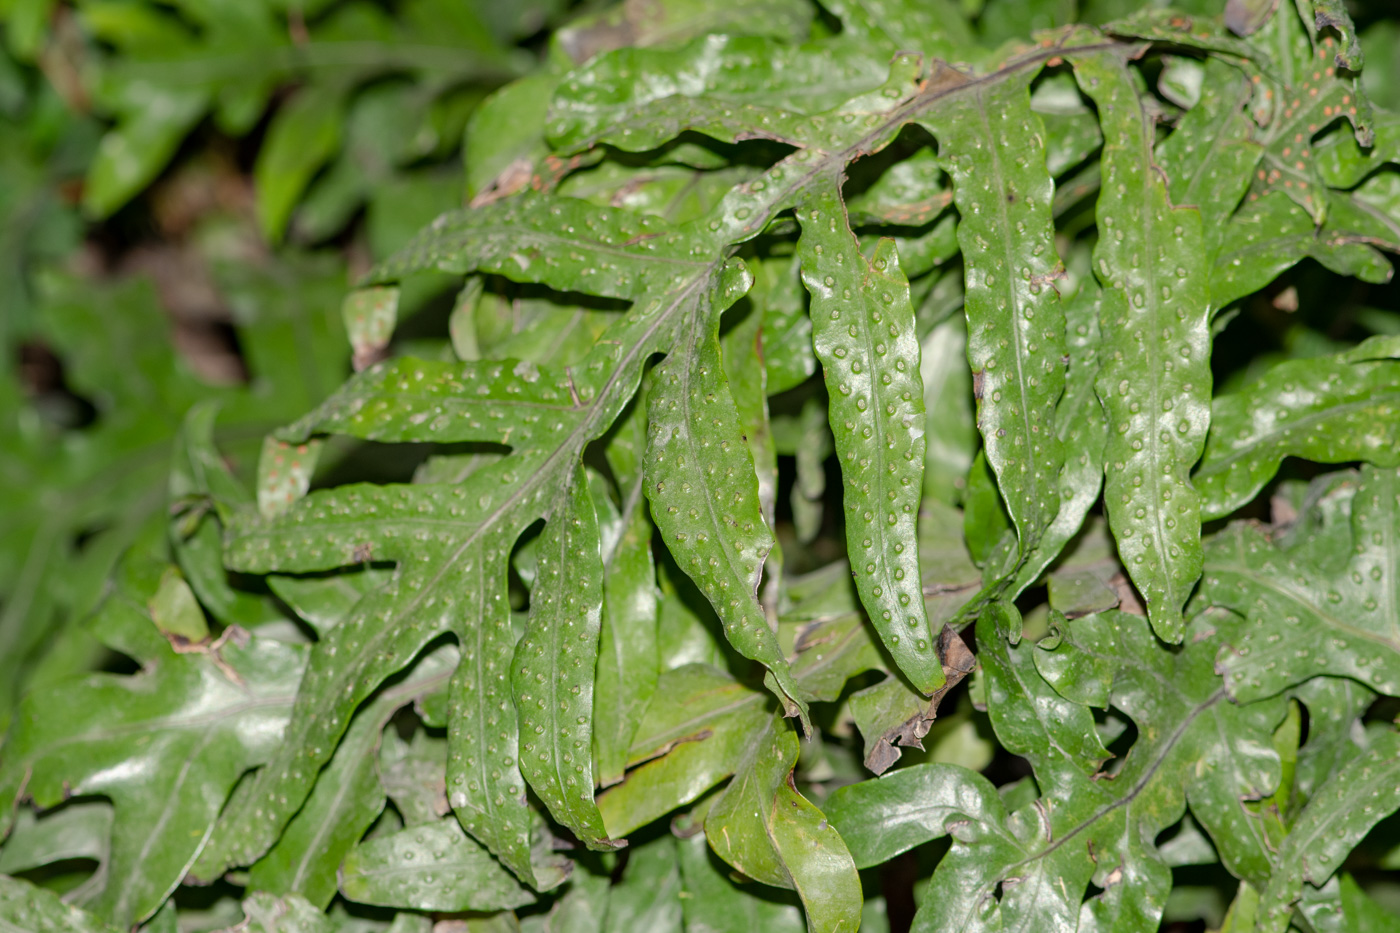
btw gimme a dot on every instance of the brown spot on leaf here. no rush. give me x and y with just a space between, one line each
958 661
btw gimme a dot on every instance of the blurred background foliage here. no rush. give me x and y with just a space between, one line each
187 187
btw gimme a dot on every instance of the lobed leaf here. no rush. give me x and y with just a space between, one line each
620 678
166 746
1271 234
1328 410
1312 94
880 819
1209 157
1326 605
719 77
1090 825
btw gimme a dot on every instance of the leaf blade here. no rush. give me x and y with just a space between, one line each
1155 377
552 674
1015 325
863 331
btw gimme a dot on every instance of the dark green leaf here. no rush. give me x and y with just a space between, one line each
950 430
1329 410
648 896
347 798
881 818
628 658
1324 605
552 675
1154 380
1361 795
703 490
1089 825
863 329
992 144
165 746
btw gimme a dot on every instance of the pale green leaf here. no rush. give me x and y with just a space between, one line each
303 135
430 867
25 908
714 903
762 826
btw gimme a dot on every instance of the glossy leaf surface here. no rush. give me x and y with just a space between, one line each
1155 377
764 352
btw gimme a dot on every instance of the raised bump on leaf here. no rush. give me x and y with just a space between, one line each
991 143
1155 376
863 330
552 674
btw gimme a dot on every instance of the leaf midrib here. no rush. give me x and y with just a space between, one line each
1132 794
1028 539
573 445
1212 467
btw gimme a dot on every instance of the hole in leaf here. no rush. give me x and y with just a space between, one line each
1118 734
42 375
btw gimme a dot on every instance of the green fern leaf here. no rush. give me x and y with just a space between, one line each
190 706
863 329
1328 410
1087 825
1155 377
1361 795
1331 592
993 146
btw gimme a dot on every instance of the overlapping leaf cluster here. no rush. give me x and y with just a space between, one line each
376 94
785 345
